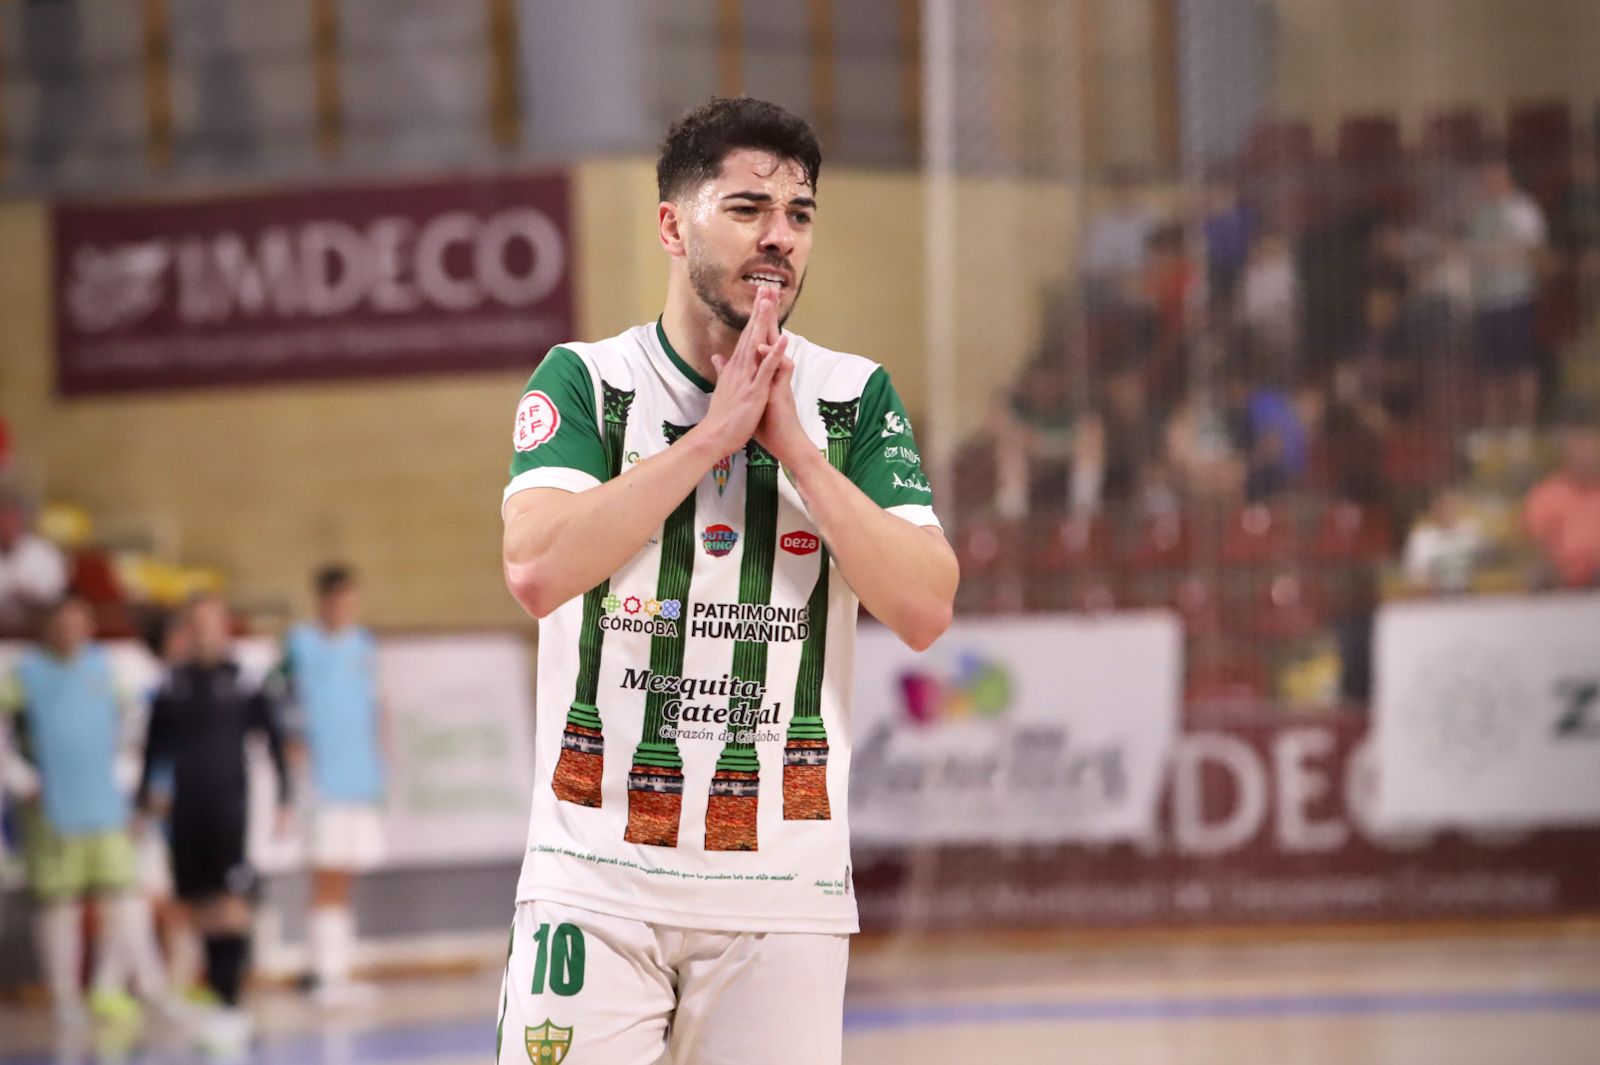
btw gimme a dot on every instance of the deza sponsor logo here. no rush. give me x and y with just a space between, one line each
799 543
322 268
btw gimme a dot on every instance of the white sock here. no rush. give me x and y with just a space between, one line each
332 935
130 936
185 956
58 931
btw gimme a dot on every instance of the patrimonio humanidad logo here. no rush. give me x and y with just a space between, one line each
978 687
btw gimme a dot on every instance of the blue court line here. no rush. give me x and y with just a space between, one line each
475 1038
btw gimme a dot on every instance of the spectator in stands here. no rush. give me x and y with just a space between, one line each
1118 460
1114 248
1506 239
1580 228
1036 431
1445 546
1562 513
1202 451
1267 428
33 573
1269 296
1229 228
1354 428
1172 282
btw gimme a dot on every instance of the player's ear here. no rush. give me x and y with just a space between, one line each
670 227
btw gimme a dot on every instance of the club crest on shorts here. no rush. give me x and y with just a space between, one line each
537 421
547 1044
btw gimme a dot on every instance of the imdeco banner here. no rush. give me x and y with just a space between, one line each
1487 713
336 282
1039 729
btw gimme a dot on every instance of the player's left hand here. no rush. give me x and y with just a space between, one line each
780 431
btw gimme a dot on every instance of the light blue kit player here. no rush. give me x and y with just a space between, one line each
330 670
66 718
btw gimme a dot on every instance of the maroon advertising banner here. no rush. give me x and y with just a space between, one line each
346 281
1266 820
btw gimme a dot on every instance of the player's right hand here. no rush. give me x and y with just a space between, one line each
744 379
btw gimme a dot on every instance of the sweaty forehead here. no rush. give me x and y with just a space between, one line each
756 170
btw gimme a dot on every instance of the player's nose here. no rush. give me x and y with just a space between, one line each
779 234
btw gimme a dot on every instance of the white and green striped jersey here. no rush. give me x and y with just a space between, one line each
694 710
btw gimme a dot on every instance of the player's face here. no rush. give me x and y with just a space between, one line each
749 227
69 628
341 607
210 629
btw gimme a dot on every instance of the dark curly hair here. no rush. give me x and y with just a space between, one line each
698 142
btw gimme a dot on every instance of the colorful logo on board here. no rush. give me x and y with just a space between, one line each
977 687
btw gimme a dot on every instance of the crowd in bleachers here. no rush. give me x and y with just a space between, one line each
1319 381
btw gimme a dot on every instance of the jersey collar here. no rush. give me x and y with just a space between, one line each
682 367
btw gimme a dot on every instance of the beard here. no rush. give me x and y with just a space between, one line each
709 282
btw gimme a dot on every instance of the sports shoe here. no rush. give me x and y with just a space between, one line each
115 1008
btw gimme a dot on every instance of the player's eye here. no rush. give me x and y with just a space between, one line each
745 210
800 218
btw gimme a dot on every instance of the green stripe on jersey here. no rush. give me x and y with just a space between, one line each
673 581
755 587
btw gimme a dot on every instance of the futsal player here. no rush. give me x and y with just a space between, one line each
198 726
330 670
696 508
68 723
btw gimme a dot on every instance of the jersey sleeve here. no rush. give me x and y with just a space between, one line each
884 460
555 437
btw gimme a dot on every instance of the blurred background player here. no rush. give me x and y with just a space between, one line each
68 725
198 726
330 670
167 638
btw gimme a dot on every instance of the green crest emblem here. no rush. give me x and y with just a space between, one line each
547 1044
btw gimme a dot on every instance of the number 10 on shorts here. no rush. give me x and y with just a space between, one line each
561 956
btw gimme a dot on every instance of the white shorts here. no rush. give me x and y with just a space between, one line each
587 988
347 837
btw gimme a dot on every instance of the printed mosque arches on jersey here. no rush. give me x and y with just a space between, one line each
735 794
805 749
580 767
655 778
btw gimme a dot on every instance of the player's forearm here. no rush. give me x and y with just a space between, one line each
903 573
558 544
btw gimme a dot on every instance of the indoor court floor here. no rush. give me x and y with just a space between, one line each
1401 1000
